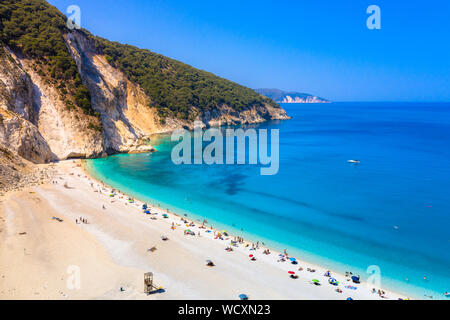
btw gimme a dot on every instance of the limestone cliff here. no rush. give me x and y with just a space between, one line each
38 116
36 123
68 94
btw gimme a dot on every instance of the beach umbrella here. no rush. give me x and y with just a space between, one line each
333 281
146 211
292 259
243 296
355 279
315 280
250 255
291 272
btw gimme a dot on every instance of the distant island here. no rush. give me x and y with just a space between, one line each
281 96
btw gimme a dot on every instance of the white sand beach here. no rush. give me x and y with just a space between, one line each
38 254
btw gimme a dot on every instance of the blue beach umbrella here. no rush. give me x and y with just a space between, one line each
243 296
292 259
333 281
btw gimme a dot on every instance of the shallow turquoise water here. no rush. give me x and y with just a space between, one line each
318 206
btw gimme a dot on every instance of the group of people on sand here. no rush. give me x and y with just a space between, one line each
81 220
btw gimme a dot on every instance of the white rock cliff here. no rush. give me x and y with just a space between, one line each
36 124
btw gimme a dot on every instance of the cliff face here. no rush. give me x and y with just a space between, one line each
36 123
22 137
127 120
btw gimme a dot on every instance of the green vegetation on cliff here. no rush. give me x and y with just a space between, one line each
35 29
174 87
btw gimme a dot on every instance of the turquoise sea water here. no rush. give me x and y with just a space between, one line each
318 206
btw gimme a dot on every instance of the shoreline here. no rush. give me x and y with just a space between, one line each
42 241
246 243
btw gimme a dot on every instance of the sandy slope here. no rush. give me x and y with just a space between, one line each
111 252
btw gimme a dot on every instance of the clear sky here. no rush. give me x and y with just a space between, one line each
319 47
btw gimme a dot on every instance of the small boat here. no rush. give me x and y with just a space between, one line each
353 161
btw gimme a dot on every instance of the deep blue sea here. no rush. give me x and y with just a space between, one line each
392 210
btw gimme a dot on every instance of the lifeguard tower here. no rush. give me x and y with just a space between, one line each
149 286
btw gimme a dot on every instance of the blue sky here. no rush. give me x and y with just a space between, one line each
320 47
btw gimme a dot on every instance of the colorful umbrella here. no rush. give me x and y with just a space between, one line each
291 272
315 280
333 281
